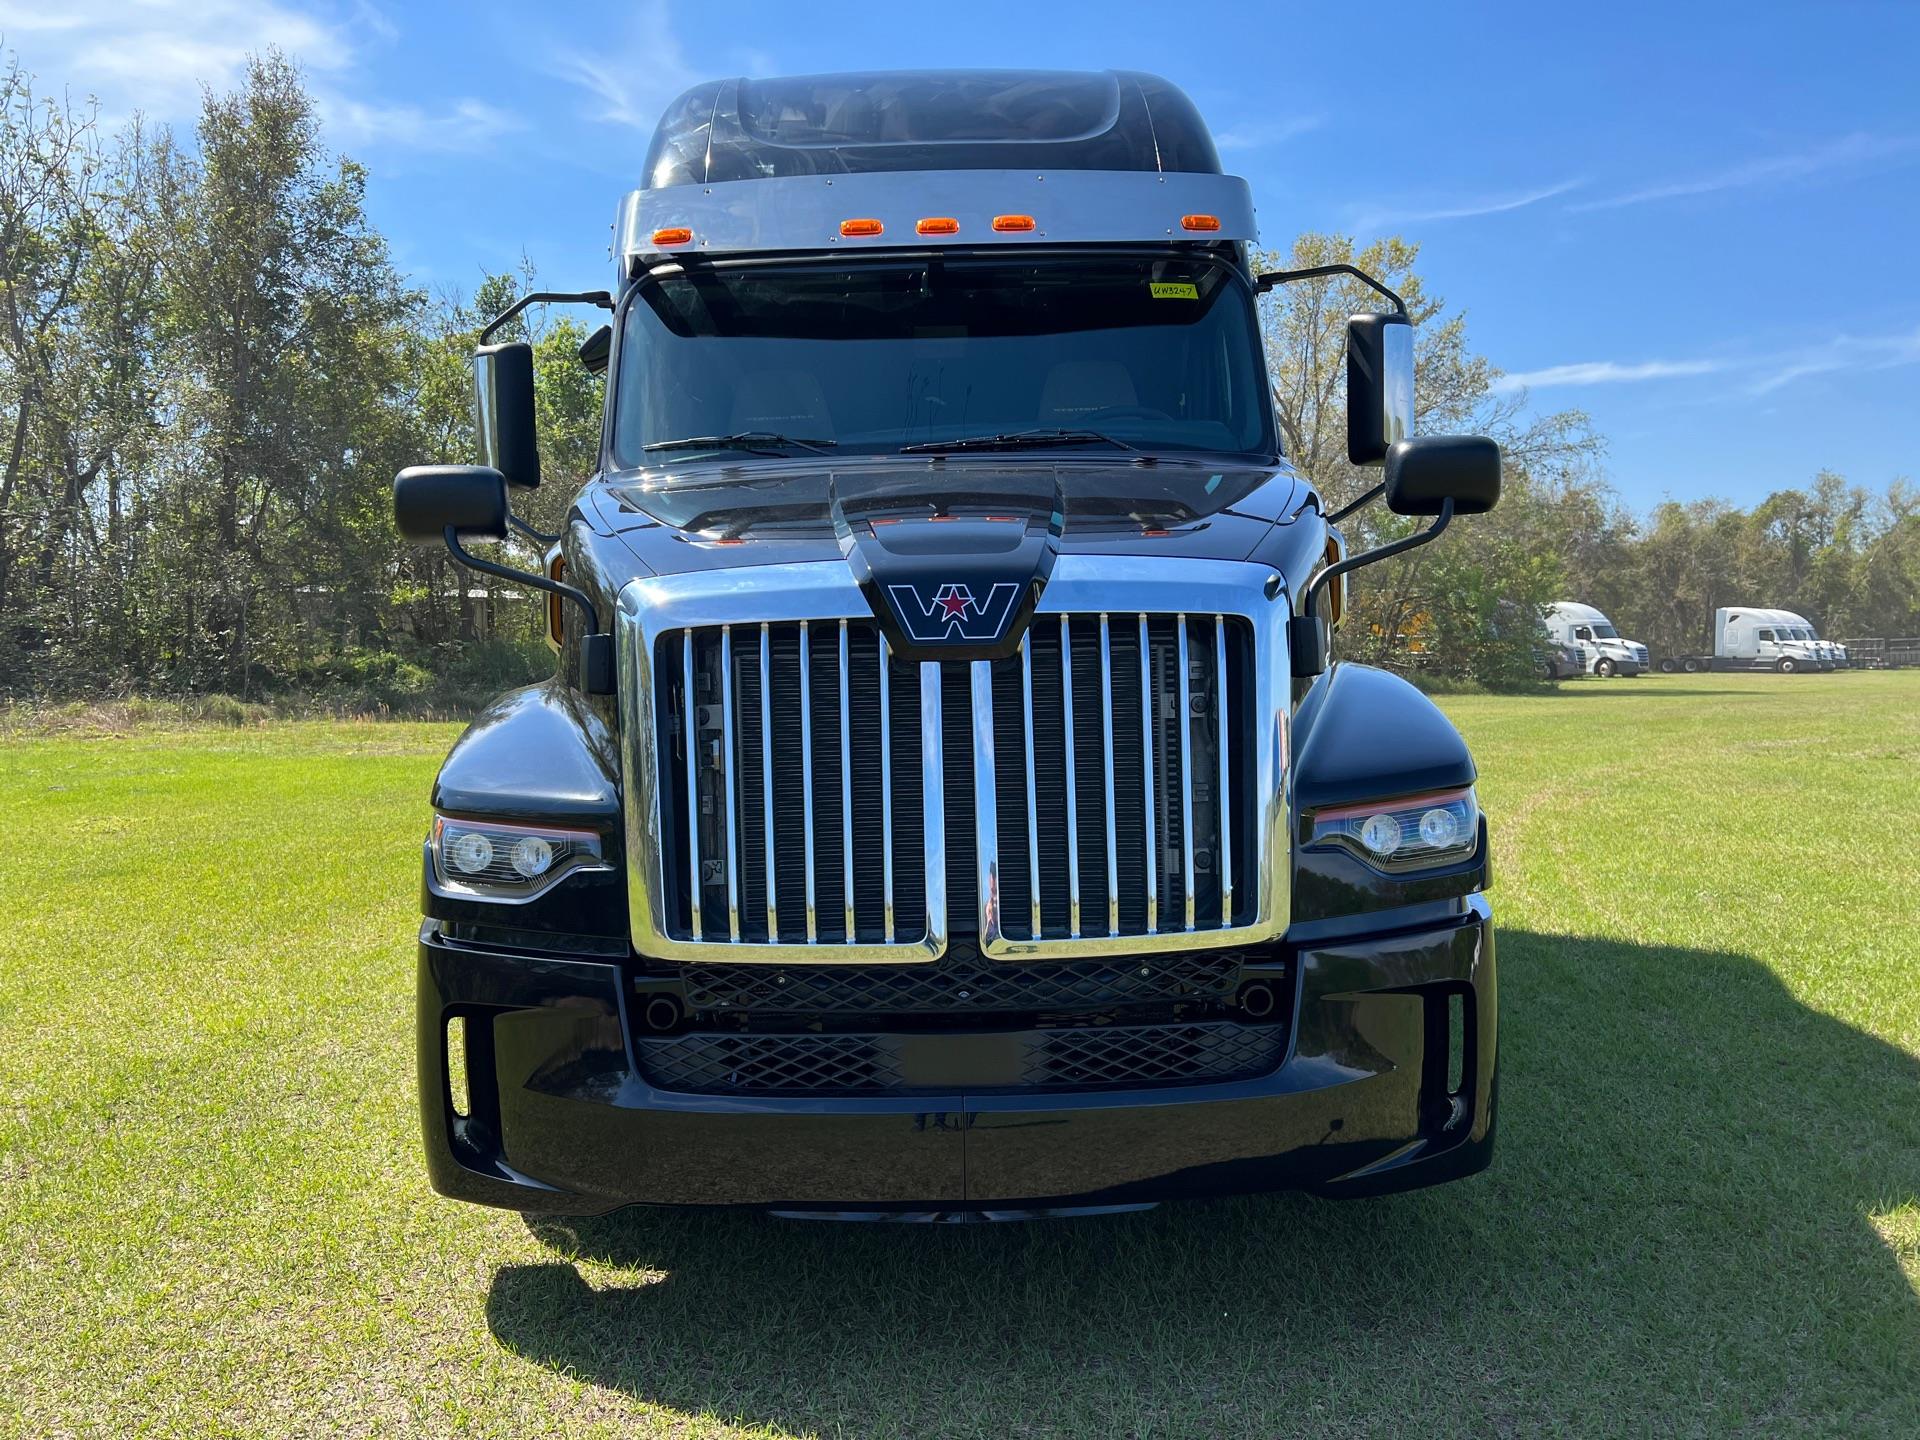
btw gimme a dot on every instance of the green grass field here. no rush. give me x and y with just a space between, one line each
1704 1218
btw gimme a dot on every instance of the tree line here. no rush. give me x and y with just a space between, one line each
210 368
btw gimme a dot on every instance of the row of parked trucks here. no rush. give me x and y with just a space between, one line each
1580 640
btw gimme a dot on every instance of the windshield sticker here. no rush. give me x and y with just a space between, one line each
1174 290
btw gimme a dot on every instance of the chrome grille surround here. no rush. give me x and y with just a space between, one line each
1113 592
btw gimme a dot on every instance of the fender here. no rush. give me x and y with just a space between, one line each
1365 734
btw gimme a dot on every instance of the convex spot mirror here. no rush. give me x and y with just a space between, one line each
472 499
1422 474
503 412
1379 385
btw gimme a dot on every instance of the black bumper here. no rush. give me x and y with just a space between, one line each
1387 1084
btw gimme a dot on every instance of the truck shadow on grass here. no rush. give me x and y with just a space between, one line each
1694 1224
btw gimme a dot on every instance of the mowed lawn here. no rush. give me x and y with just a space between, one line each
1702 1219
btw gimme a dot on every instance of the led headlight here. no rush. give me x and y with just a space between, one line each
1422 833
488 860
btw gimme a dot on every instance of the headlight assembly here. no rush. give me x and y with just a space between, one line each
1423 832
489 860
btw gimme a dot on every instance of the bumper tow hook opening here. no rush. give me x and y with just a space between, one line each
662 1013
1257 999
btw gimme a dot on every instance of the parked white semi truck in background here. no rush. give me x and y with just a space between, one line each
1751 637
1602 651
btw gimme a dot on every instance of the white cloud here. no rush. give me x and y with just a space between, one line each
1842 352
1604 372
1260 134
155 56
1465 209
631 82
1848 155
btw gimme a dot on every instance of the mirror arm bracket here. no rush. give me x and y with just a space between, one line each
1307 633
602 298
1357 503
1266 282
539 537
596 646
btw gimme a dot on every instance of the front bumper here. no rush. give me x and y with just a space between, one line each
1388 1084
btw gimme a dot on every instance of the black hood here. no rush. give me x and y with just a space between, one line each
952 552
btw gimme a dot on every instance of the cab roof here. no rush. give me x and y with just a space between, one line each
876 121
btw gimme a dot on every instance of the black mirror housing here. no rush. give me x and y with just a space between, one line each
1379 385
503 412
1423 474
471 499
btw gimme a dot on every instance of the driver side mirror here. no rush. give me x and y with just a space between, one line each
503 412
469 499
1379 385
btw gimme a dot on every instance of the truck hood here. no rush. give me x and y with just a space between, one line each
757 511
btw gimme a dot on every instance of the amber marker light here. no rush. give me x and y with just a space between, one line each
938 225
1006 224
1199 222
672 235
861 227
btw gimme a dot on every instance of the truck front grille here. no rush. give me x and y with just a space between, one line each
1068 1058
1091 787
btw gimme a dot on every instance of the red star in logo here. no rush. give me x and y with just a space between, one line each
953 601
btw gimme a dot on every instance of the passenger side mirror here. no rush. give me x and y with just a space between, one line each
503 413
1423 474
1379 385
469 499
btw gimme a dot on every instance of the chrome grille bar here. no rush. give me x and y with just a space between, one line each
1033 783
846 789
1183 717
690 720
766 782
1225 801
1106 717
806 768
726 730
1151 829
986 804
1073 806
886 785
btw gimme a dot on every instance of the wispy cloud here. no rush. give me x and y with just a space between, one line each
1759 374
1462 209
1604 372
1260 134
1850 154
630 82
154 56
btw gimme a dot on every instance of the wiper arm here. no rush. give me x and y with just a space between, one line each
1016 440
743 440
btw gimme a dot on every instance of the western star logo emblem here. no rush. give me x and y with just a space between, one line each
952 611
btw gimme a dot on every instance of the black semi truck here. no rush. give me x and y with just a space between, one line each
946 803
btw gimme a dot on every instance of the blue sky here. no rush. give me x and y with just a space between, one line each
1696 222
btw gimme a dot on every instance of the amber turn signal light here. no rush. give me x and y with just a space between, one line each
939 225
672 235
1199 222
861 227
1006 223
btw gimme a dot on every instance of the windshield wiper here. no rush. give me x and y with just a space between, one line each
1016 440
743 440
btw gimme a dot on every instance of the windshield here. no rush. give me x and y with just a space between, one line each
1110 352
1605 632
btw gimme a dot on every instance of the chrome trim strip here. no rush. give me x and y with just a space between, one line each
766 781
846 792
806 767
1033 783
1106 720
1073 803
693 780
1184 718
650 607
886 783
1150 812
726 727
933 806
1220 718
986 808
